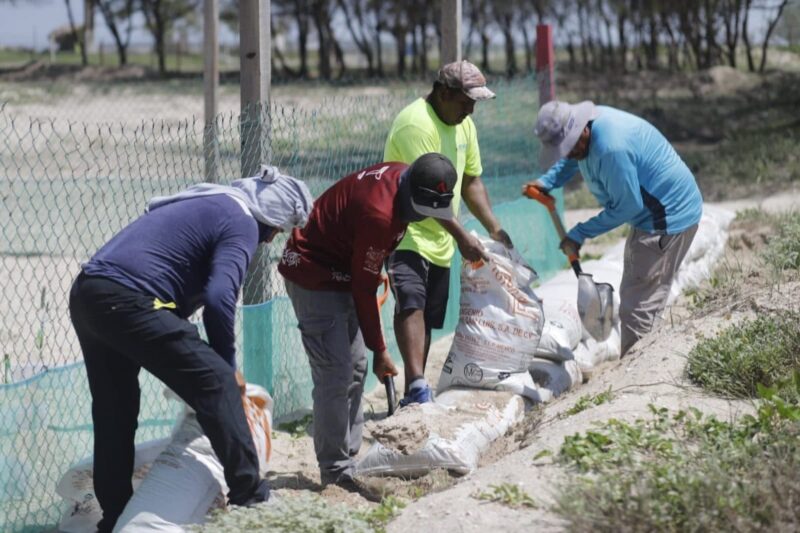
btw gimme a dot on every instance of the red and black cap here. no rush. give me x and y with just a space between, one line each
432 178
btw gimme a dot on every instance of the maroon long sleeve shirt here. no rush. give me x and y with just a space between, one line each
354 225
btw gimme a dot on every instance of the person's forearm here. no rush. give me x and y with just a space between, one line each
454 228
477 200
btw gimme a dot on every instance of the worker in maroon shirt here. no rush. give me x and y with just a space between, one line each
332 268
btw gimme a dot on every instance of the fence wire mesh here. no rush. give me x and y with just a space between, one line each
68 185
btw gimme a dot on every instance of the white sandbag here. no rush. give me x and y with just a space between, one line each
589 353
187 480
76 487
499 326
451 433
562 327
707 247
555 344
184 483
554 377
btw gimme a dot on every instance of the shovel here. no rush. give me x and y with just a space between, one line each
391 393
595 300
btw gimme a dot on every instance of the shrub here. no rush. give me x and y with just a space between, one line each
686 472
761 351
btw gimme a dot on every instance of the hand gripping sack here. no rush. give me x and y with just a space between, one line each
499 326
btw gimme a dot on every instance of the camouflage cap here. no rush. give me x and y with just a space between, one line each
467 77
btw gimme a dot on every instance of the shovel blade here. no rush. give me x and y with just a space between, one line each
595 306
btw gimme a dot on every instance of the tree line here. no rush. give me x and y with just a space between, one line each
401 37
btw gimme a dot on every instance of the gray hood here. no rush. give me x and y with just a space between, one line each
274 199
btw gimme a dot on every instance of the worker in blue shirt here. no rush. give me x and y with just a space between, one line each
638 178
129 307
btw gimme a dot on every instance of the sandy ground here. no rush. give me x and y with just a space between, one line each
652 373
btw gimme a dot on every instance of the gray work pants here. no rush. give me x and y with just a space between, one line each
651 262
329 328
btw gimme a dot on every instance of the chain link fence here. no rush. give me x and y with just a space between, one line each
68 185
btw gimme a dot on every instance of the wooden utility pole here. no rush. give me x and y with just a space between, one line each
211 88
254 79
451 31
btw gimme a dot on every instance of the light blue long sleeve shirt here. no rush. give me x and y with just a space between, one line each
636 176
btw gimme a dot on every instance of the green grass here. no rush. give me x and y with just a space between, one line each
686 472
763 351
755 160
306 513
783 252
507 494
303 513
297 428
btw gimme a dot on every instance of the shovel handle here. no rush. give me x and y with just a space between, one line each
535 193
391 393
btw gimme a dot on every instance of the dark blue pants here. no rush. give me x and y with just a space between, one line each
120 332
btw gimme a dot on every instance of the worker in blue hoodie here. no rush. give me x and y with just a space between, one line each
129 307
637 178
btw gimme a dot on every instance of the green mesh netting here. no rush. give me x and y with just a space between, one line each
68 186
46 427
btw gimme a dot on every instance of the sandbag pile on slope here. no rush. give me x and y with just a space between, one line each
451 433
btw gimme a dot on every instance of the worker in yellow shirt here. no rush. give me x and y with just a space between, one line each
419 269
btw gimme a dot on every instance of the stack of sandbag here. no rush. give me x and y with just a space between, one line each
497 338
451 433
177 481
500 323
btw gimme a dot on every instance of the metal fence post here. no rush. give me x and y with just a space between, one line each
211 88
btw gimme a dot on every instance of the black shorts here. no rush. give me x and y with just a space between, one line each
419 284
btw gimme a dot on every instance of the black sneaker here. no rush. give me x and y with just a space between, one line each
260 495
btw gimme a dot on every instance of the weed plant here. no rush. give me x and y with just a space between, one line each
297 428
783 252
586 401
507 494
762 351
686 472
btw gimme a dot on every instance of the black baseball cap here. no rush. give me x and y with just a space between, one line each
432 178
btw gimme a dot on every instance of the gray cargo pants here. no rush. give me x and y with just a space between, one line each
651 262
329 328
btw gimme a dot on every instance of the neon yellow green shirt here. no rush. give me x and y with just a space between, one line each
415 131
